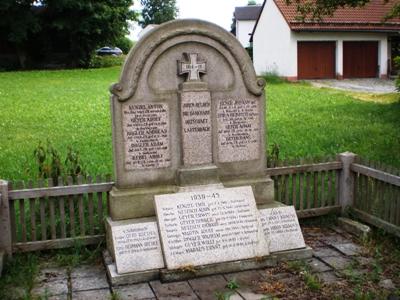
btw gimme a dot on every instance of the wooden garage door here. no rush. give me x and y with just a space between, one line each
360 59
316 60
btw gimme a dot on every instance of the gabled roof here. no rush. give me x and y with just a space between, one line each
247 13
367 18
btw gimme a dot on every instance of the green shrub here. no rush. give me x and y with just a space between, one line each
106 61
125 44
272 77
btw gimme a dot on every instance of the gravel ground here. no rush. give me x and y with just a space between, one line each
374 85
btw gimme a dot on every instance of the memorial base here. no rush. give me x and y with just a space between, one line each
200 271
263 187
135 203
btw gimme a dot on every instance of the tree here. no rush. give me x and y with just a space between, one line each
251 2
18 21
34 27
317 9
158 11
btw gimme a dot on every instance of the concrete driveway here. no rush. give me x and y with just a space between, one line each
370 85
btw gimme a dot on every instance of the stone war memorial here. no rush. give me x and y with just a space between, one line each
191 197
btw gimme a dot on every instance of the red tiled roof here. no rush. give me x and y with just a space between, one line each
366 18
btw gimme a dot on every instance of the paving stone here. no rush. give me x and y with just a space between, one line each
334 239
90 283
51 274
337 262
364 261
328 277
58 297
51 288
349 249
174 290
88 271
102 294
281 276
206 288
244 278
324 252
318 266
134 291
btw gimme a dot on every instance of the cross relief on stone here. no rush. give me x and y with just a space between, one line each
192 66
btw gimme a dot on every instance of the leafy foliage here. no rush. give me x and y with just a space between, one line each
124 43
158 11
316 9
80 26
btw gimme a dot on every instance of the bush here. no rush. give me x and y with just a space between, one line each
106 61
272 77
125 44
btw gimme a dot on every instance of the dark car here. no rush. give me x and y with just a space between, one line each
109 51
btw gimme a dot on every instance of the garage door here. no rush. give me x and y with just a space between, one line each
360 59
316 60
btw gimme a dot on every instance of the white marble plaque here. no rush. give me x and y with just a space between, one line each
282 228
137 247
196 127
146 135
209 226
238 130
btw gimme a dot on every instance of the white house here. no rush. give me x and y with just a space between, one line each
245 17
353 43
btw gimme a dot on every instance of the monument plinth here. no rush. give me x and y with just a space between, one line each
188 121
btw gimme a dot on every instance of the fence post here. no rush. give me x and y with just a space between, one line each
346 181
5 227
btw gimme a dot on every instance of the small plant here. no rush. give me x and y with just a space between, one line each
223 295
232 284
311 281
73 164
273 155
273 77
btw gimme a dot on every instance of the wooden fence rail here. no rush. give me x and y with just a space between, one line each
38 216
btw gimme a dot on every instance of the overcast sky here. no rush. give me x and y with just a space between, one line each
216 11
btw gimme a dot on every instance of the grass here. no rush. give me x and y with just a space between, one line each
71 108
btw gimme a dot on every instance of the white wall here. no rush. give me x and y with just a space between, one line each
275 45
272 45
243 31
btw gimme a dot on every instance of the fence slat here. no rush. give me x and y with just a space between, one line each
337 184
61 206
81 210
301 191
32 211
315 188
12 216
287 187
71 209
100 203
90 208
308 190
22 222
380 175
304 168
294 190
52 213
43 224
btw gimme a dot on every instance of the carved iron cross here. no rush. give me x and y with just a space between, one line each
192 66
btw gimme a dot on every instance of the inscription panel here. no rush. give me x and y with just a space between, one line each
282 229
137 247
238 130
146 136
210 226
196 127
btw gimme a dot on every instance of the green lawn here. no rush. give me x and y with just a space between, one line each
71 108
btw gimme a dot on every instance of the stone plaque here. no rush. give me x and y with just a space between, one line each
238 130
146 136
282 228
209 226
137 247
196 127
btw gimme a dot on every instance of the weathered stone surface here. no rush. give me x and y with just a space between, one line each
196 126
328 277
387 284
349 249
89 283
130 278
324 252
51 274
181 290
87 271
134 291
208 227
136 245
318 266
207 288
282 229
354 227
337 262
92 295
51 288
